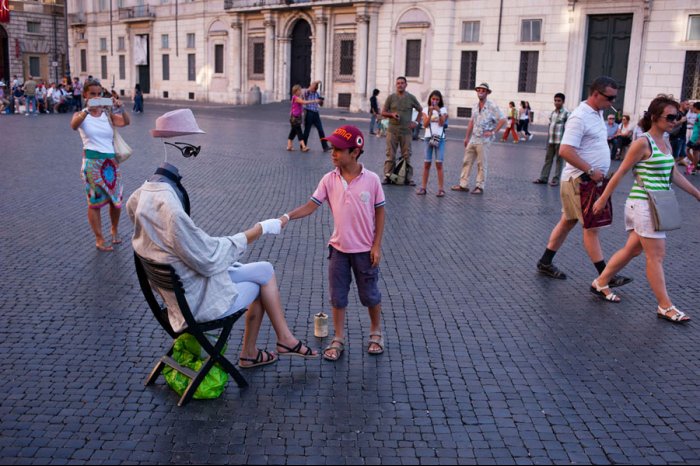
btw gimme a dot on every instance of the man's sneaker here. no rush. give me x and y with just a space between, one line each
529 138
618 280
550 270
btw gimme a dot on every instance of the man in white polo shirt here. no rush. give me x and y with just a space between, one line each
585 149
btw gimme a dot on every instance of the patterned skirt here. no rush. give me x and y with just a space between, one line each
103 182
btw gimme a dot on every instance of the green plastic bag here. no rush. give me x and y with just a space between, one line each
188 353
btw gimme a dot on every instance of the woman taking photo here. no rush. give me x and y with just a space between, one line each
434 118
100 170
651 159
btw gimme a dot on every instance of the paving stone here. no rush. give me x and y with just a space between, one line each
487 362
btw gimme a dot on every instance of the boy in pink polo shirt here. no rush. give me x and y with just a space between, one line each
357 202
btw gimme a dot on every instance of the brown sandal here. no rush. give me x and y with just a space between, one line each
378 340
337 345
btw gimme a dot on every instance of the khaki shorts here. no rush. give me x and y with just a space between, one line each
570 194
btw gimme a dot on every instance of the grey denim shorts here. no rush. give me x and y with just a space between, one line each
339 276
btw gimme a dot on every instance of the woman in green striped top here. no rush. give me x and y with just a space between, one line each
650 156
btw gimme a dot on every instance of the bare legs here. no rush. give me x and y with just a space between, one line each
267 302
95 222
440 175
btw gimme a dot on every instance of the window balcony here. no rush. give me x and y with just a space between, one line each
136 13
76 19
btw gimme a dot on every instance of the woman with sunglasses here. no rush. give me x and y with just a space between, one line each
100 170
652 160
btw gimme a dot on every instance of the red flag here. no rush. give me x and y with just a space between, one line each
4 11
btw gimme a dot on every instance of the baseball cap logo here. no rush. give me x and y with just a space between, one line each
343 133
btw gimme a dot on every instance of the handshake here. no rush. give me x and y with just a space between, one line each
273 226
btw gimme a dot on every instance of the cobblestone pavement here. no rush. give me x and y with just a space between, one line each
486 361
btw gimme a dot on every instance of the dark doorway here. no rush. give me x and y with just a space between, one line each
607 52
4 56
144 71
301 55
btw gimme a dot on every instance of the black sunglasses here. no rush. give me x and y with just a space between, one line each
673 117
188 150
610 98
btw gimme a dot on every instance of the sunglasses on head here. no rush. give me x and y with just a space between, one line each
187 150
673 116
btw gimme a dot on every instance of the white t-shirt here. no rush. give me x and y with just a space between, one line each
97 134
586 132
434 122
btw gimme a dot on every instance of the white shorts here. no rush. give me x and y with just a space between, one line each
638 218
248 279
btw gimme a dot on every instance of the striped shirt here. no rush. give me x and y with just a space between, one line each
655 172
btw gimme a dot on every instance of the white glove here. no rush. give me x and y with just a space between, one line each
271 226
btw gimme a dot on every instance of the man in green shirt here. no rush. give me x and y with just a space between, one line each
399 109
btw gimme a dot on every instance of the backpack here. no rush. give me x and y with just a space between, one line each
398 174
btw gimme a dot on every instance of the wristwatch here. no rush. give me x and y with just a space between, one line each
590 171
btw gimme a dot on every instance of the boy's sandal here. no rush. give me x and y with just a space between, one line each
678 317
440 193
478 190
337 345
296 351
421 191
600 292
262 359
459 188
375 339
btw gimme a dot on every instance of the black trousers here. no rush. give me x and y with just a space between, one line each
314 119
295 131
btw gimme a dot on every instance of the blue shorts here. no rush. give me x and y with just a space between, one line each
367 277
438 151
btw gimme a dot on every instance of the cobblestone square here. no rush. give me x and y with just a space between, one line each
486 361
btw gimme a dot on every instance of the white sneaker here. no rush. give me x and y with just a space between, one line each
529 138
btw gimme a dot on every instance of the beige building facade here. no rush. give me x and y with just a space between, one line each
33 39
248 51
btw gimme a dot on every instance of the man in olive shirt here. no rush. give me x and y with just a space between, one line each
30 95
398 108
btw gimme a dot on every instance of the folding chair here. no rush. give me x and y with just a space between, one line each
164 277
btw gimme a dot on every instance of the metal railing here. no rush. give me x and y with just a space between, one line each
230 4
136 12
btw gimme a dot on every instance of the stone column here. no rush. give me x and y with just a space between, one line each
320 47
283 84
361 38
236 61
372 55
269 91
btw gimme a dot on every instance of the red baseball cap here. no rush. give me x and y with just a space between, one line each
346 137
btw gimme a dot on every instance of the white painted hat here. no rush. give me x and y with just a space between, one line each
176 123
